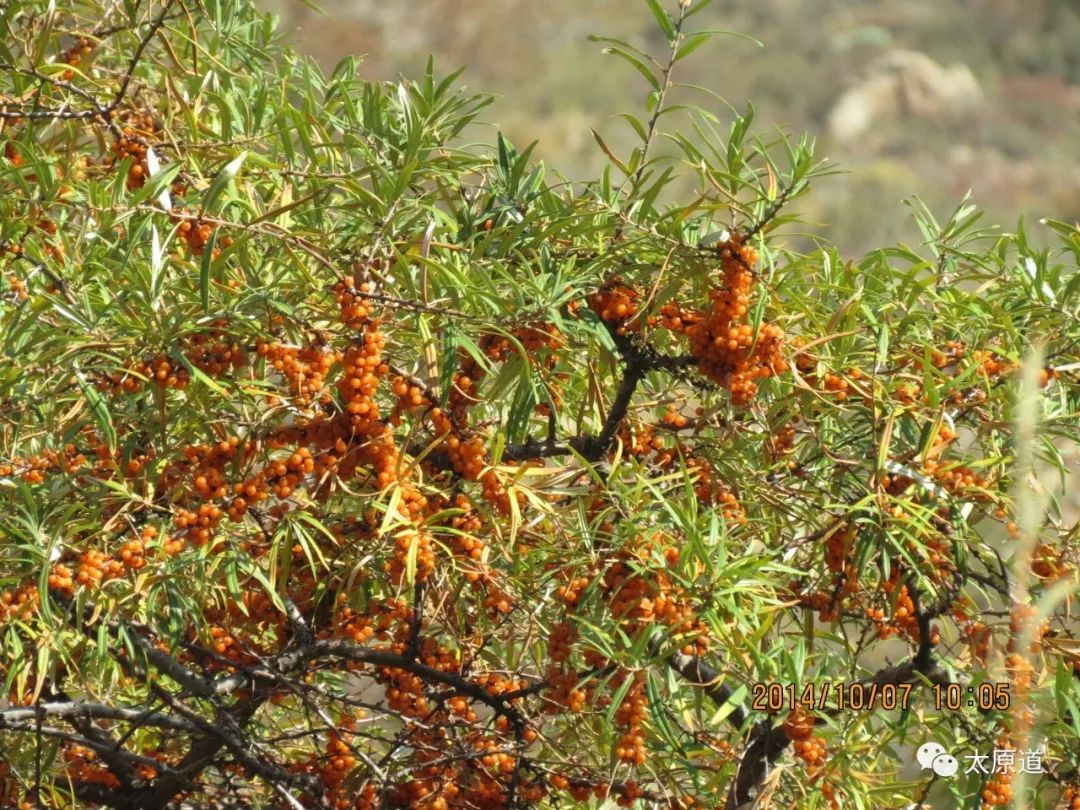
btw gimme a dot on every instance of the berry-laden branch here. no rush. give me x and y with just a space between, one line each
105 113
283 568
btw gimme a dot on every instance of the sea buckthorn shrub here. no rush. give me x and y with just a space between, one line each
346 466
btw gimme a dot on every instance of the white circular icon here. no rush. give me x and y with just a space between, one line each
927 752
945 765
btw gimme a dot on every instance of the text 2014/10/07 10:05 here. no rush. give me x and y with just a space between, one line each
775 697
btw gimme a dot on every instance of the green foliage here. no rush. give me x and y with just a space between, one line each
187 219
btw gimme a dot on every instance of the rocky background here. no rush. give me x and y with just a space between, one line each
926 97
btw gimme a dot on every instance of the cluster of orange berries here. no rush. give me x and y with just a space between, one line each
561 640
713 492
82 767
354 307
639 440
73 56
641 599
676 319
34 468
409 398
256 606
19 603
721 338
137 461
836 385
138 126
799 728
197 527
905 621
1070 798
339 759
782 440
481 780
829 792
582 790
11 152
616 303
953 350
416 546
806 362
464 382
215 354
280 477
539 340
467 454
159 370
1047 376
562 691
976 634
629 717
18 288
95 566
361 628
305 369
50 249
998 792
535 338
956 479
61 580
227 646
827 607
363 366
642 441
990 363
204 465
1046 562
405 692
1001 513
877 616
469 459
1020 621
978 637
838 548
197 233
124 382
466 525
673 418
539 337
908 393
937 553
562 679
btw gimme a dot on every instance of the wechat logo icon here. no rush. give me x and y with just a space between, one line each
932 756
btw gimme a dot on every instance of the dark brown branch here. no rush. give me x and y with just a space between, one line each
698 673
200 756
133 63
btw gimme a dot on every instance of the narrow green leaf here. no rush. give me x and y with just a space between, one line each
611 155
204 271
221 181
662 19
99 409
636 62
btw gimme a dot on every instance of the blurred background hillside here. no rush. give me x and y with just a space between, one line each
926 97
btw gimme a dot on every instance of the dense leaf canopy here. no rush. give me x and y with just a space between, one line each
345 464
